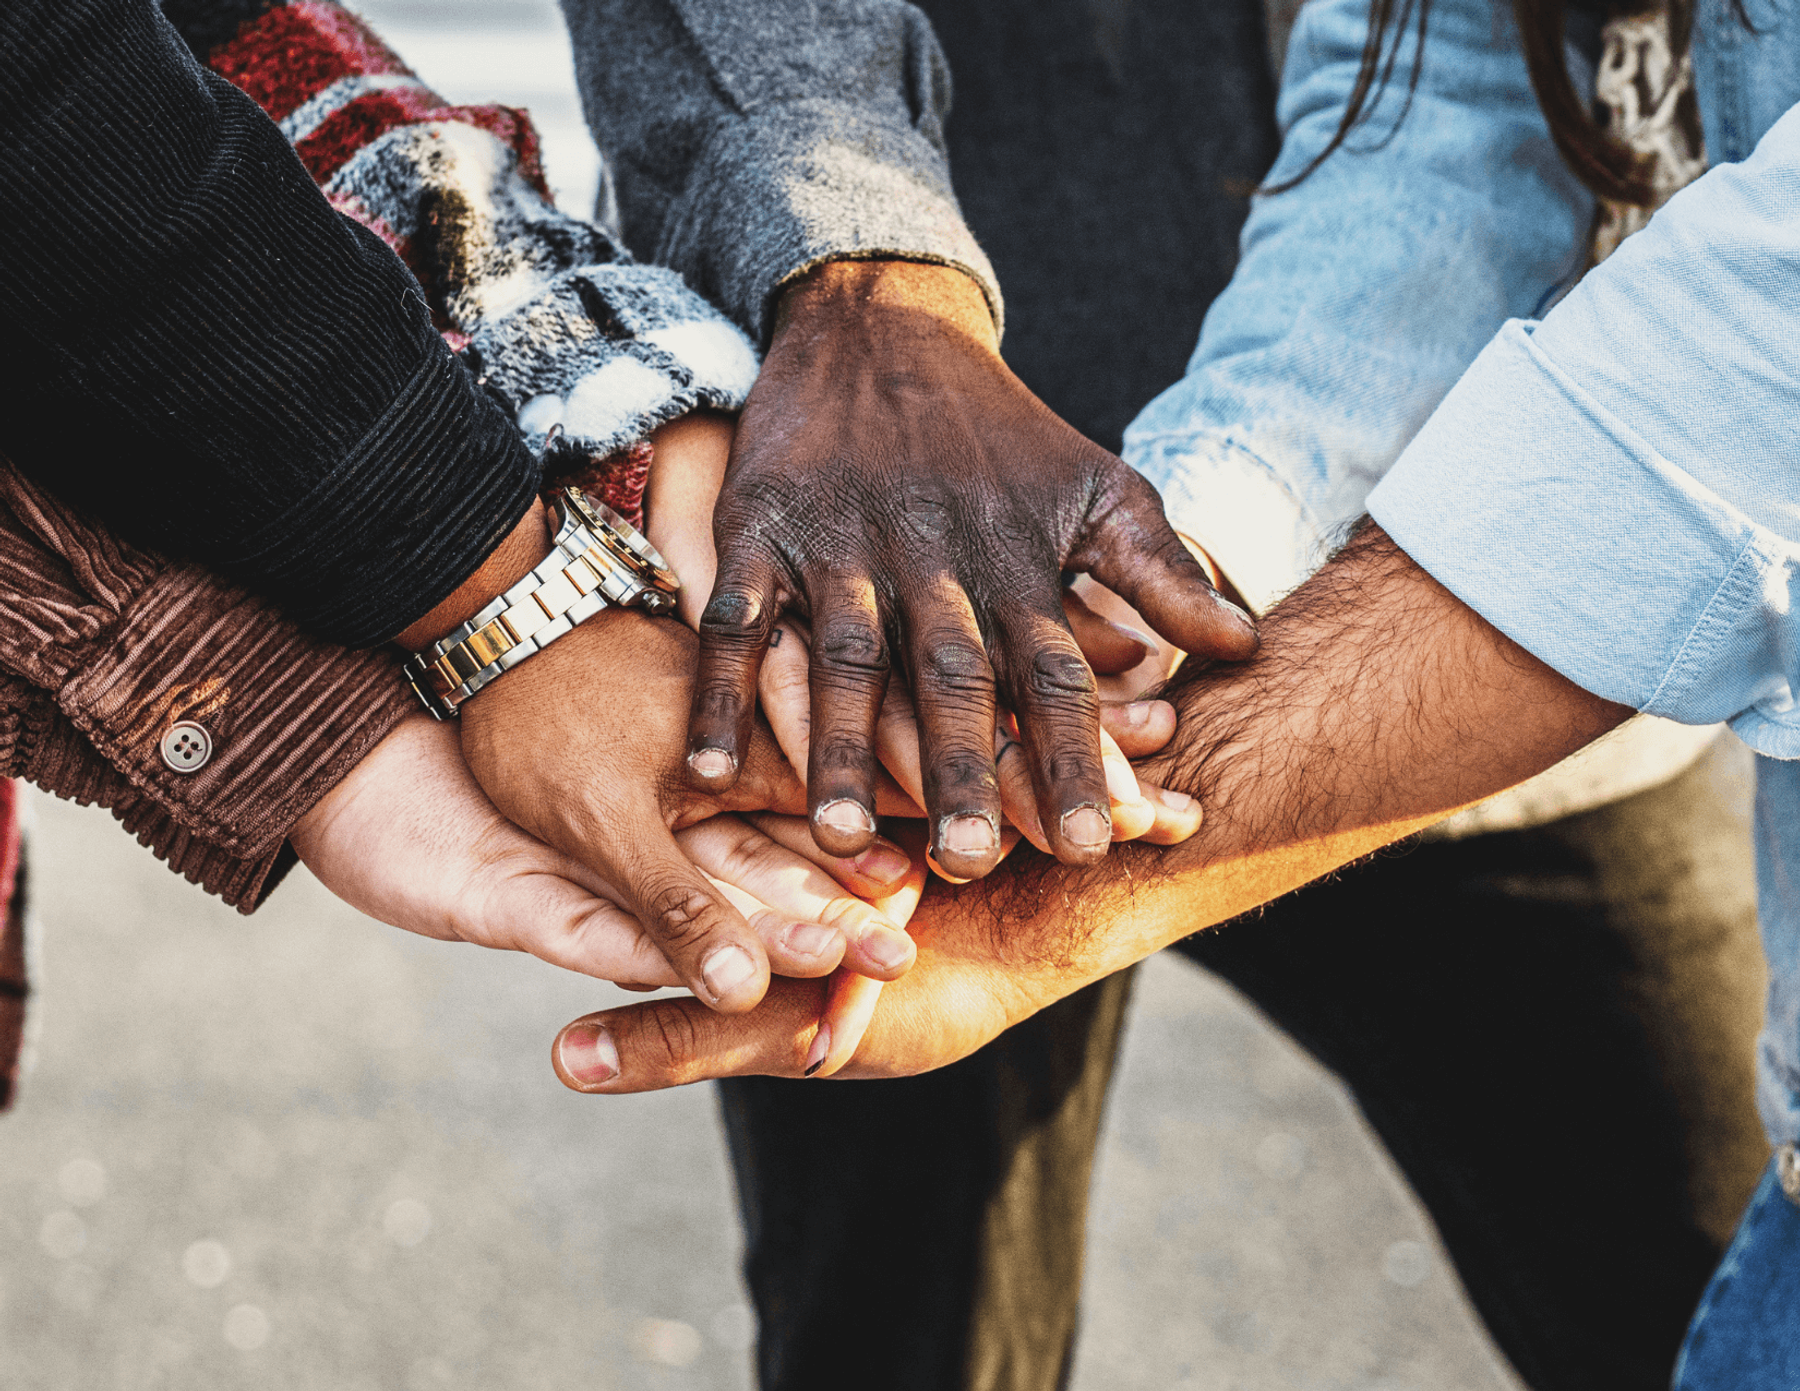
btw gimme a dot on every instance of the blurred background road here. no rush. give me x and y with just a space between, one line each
306 1152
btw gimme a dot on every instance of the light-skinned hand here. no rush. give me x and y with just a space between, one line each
409 838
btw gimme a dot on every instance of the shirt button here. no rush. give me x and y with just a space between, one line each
187 747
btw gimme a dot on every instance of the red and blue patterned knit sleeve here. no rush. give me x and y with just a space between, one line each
588 350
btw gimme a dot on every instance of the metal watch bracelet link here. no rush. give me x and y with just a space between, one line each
584 573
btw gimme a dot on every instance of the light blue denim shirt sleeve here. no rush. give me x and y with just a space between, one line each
1362 294
1617 488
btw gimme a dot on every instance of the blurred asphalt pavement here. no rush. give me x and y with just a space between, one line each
306 1152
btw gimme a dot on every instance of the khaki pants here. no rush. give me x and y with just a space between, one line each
1552 1030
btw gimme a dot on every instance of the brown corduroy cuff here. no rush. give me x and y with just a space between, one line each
286 714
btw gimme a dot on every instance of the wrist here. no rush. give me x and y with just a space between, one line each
523 547
836 292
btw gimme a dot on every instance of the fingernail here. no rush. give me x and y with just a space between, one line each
888 947
712 763
726 969
1173 800
587 1054
807 939
1223 602
1135 715
1087 827
968 835
1121 782
821 1045
846 816
1134 635
884 862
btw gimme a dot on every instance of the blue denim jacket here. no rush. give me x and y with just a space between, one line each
1363 294
1617 487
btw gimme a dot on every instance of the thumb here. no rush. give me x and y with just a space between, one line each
1134 552
710 945
669 1043
539 910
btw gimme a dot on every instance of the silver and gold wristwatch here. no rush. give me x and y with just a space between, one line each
598 560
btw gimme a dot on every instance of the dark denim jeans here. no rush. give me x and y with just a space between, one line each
1551 1030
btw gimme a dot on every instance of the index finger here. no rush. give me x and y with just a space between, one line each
734 635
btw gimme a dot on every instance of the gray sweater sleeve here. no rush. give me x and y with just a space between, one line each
749 140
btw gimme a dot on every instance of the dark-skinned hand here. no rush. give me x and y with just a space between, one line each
895 483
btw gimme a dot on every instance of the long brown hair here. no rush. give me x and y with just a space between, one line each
1599 161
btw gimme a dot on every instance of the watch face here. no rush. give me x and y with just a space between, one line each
623 539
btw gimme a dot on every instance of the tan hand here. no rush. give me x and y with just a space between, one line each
963 990
582 747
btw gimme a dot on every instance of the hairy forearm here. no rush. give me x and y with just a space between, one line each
1378 704
1378 700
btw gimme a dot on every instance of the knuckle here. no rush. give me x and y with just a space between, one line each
719 701
925 512
844 755
735 615
956 664
1071 767
1168 550
673 1039
680 915
848 914
964 772
755 862
1059 675
852 647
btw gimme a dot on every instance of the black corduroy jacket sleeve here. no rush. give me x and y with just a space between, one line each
195 346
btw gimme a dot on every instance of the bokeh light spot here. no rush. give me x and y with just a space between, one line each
667 1342
206 1264
63 1235
82 1181
407 1222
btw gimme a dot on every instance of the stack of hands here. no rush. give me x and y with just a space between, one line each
889 673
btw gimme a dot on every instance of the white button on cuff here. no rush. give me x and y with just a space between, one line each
187 748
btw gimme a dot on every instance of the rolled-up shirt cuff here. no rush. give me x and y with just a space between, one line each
1567 531
801 183
1236 508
